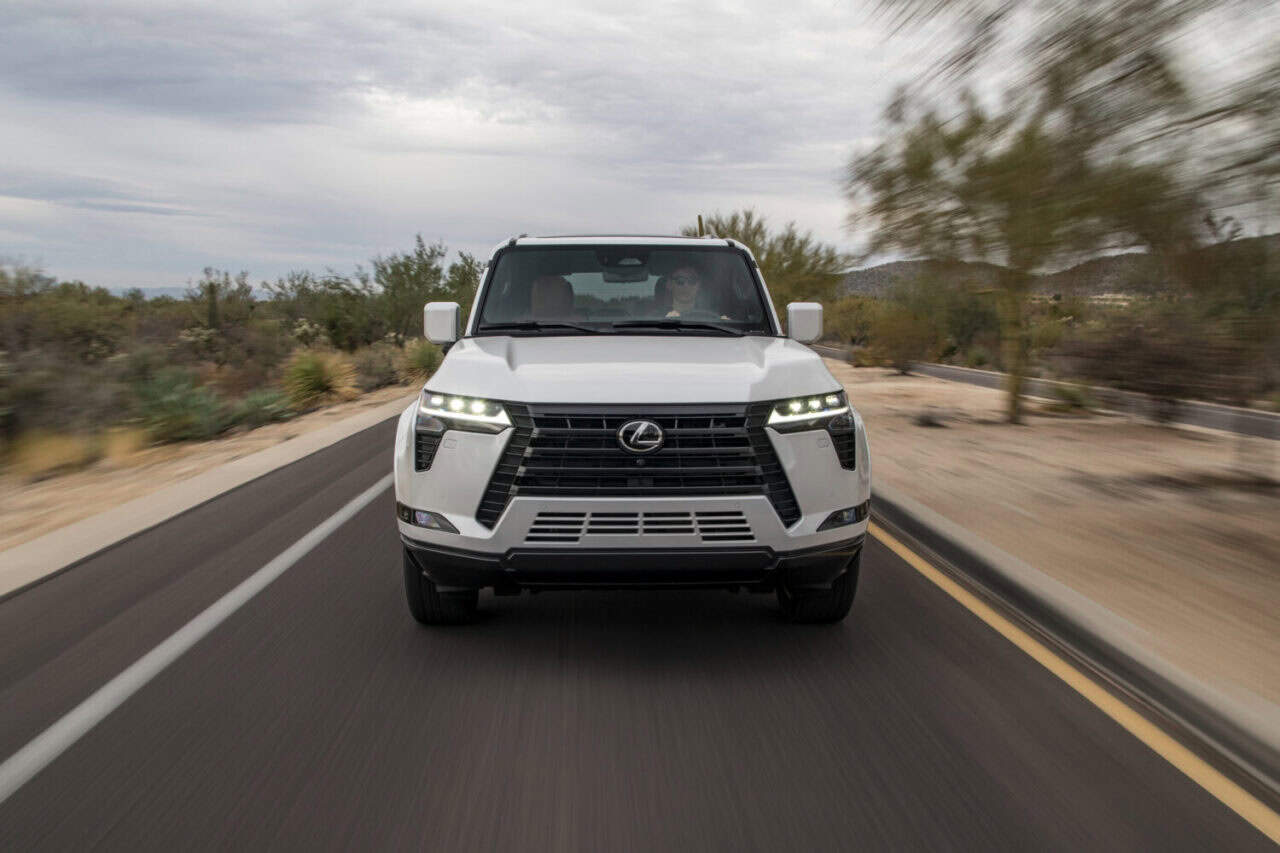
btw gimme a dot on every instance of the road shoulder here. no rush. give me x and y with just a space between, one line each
34 560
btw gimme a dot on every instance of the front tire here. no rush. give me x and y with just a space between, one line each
429 605
823 605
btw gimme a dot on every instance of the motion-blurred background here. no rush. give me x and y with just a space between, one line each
1084 192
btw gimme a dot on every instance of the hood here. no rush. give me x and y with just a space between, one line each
632 369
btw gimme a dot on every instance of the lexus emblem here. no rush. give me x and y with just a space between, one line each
640 436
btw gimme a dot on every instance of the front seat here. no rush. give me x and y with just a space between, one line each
551 298
661 297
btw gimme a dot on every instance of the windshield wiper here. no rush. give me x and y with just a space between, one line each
537 326
677 325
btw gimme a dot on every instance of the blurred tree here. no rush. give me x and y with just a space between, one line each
1064 166
795 265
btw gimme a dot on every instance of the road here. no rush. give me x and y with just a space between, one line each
1253 422
319 715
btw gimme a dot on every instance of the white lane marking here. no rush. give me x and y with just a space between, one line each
18 769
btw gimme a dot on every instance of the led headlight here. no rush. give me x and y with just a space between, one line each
439 412
816 411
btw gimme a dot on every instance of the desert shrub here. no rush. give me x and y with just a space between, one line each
236 380
1072 397
418 361
313 377
8 413
172 407
977 357
72 319
866 357
49 392
117 444
969 319
375 366
1046 334
901 336
140 364
38 454
308 333
261 407
849 320
1171 352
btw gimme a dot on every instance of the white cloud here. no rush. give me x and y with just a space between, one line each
156 139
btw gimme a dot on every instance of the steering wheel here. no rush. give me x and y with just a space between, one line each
701 314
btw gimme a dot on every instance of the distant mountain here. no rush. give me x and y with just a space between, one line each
877 281
153 292
1132 273
176 292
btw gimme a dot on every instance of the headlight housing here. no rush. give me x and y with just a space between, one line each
438 412
814 411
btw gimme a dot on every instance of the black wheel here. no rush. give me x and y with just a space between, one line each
826 605
429 605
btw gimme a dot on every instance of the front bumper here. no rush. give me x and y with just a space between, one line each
758 567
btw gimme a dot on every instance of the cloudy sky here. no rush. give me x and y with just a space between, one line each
144 141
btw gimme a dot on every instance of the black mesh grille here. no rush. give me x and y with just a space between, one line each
572 451
425 445
776 486
495 497
845 444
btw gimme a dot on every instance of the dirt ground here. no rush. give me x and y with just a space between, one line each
1174 529
31 509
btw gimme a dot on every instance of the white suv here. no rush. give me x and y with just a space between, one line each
625 412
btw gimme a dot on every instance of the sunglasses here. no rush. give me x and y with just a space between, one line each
683 280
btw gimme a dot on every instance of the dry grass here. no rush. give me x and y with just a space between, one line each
315 377
37 455
31 508
418 361
121 445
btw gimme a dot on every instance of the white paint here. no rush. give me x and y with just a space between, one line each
804 321
632 369
53 741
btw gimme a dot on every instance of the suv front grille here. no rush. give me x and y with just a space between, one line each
709 526
572 451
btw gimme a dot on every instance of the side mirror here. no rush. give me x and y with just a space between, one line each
804 321
440 322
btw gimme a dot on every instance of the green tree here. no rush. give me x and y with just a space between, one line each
462 280
1065 166
408 281
796 266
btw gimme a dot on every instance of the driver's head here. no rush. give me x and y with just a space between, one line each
684 282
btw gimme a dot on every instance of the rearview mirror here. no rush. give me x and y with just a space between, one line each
440 322
804 321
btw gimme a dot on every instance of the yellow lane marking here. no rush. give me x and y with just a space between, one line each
1203 774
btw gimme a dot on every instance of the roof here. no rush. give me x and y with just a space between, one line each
611 240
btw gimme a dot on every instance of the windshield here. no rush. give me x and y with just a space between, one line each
622 289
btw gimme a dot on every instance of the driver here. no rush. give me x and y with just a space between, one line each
684 283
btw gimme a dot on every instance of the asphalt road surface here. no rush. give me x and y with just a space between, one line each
320 715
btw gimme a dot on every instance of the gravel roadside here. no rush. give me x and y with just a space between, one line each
1175 529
